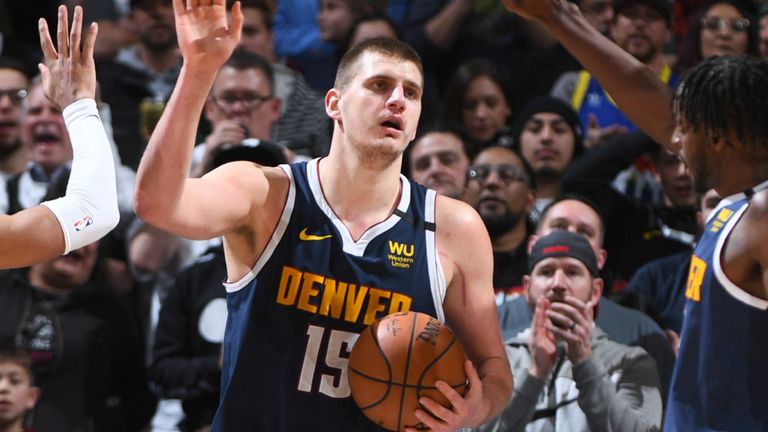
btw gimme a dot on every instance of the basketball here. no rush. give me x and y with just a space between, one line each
396 361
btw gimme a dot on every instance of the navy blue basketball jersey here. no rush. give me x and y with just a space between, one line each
720 382
294 318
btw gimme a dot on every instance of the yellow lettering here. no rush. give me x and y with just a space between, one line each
695 278
399 303
374 307
355 299
333 298
289 286
308 291
395 248
408 251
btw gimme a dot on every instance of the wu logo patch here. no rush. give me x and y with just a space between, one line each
400 254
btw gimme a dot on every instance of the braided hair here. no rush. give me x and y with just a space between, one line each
722 96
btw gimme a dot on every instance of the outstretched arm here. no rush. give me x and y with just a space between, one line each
89 209
221 201
634 86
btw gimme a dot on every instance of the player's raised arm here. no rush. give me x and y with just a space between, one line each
89 209
164 196
470 310
636 89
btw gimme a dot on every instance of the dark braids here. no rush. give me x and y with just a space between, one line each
725 95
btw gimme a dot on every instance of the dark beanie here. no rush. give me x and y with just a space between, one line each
550 105
562 243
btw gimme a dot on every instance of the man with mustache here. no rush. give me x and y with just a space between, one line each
500 186
570 376
639 27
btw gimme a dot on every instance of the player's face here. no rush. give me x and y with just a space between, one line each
547 142
577 217
256 37
246 97
675 179
484 109
438 161
694 151
335 19
499 189
558 277
641 31
12 82
380 108
44 131
722 40
16 393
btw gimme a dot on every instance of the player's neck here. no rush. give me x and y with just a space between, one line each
361 197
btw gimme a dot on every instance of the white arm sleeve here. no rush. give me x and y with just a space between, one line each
89 209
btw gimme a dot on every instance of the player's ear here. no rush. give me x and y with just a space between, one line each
332 108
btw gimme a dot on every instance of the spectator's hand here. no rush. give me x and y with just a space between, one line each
464 411
597 135
225 132
205 38
571 321
69 74
541 341
539 10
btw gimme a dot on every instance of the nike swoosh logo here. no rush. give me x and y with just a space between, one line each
311 237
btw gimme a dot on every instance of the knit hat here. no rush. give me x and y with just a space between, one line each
664 7
561 243
551 105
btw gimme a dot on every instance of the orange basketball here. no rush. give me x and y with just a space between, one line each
396 361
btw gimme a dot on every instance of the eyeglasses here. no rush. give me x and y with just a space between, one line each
228 101
715 23
506 172
17 96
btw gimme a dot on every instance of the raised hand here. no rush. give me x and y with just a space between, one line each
205 38
574 320
541 341
70 73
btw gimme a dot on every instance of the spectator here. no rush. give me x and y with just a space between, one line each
571 377
302 126
501 187
549 137
369 27
18 394
623 325
478 101
720 27
336 18
438 159
599 13
639 27
14 88
143 73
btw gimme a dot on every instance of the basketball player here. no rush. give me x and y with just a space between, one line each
720 380
315 251
89 209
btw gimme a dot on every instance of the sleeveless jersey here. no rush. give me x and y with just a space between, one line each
294 318
720 381
589 97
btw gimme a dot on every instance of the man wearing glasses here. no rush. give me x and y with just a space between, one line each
500 188
13 93
241 107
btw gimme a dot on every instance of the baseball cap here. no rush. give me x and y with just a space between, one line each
663 6
561 243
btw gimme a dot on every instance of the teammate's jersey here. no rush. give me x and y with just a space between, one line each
720 380
294 318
